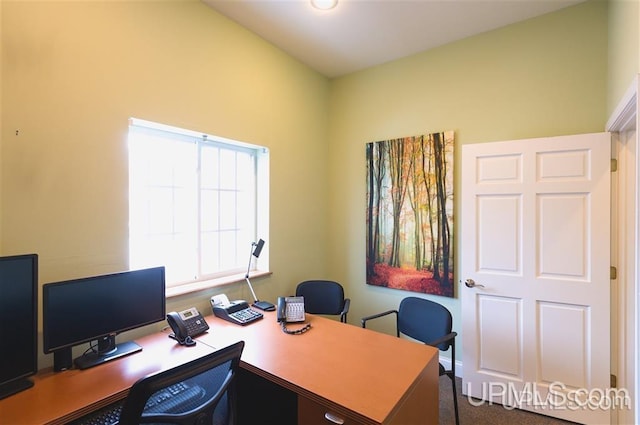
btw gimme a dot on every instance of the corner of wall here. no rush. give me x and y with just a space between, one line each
623 49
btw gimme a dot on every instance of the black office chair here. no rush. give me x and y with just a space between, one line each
324 297
428 322
203 392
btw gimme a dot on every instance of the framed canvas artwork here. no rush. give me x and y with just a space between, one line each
410 213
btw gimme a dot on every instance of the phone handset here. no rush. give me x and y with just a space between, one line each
179 329
291 309
186 324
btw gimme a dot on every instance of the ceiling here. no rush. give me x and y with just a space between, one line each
358 34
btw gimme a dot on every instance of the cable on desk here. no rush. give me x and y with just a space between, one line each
294 331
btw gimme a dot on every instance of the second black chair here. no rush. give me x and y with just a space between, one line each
198 392
430 323
324 297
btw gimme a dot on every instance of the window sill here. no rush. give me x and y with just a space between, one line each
187 288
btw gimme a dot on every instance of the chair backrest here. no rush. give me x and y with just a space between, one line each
424 320
207 392
321 296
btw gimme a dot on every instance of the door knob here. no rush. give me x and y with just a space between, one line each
470 283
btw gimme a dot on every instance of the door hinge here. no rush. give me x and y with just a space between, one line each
614 165
613 273
614 381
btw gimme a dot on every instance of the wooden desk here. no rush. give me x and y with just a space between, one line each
59 397
360 375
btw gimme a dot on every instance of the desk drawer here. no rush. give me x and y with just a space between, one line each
312 413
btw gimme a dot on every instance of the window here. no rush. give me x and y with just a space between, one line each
196 202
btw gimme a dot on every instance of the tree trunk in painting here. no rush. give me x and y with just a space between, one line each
371 213
410 213
398 188
376 175
443 224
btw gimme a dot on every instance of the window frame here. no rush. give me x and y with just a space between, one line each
260 160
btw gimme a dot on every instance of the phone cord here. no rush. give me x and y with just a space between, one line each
295 331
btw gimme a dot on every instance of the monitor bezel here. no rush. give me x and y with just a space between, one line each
34 304
47 348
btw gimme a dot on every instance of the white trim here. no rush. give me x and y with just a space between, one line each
625 235
446 362
623 117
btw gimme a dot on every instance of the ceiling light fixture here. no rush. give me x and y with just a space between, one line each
324 4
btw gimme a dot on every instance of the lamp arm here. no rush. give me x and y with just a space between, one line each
262 305
246 276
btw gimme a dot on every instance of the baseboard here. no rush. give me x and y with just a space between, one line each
446 362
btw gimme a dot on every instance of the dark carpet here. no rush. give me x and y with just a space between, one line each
494 414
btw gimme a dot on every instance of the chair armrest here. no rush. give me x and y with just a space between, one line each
345 308
447 337
375 316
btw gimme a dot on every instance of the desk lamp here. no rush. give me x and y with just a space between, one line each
262 305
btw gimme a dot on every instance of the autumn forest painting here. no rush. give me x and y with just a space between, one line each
410 213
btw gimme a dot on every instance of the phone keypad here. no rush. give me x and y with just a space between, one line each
196 325
295 312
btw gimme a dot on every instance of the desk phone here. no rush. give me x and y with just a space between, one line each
290 309
238 311
187 324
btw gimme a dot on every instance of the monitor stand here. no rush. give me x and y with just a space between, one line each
107 350
16 386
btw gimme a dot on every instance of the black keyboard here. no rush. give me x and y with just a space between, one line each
175 402
170 400
109 415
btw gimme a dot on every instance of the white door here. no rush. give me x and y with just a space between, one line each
535 227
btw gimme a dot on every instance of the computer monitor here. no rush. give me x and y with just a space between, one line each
18 322
95 309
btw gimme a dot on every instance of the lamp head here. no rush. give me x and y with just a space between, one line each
258 250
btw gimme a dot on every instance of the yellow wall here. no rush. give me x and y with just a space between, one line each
74 72
623 49
542 77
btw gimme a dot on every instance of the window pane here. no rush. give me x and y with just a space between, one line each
229 212
228 169
210 262
209 167
160 211
246 180
228 244
209 207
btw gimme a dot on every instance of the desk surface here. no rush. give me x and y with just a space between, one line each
359 372
367 375
58 397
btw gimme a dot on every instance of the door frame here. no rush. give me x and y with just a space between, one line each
625 205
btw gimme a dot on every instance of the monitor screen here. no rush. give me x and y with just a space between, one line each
95 309
18 322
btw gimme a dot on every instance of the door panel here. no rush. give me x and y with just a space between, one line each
500 336
563 333
535 228
563 242
500 244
